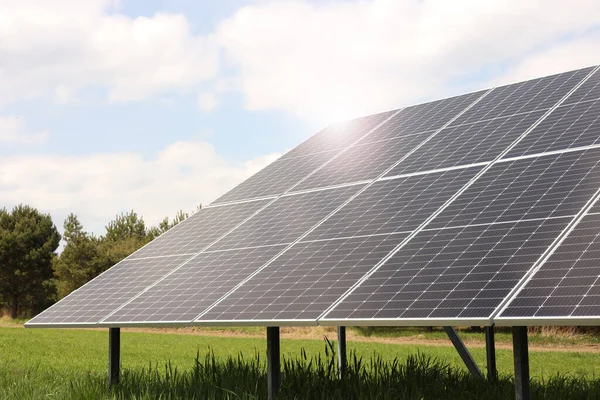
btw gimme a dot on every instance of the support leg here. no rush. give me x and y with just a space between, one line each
490 352
114 355
521 355
273 362
342 361
463 351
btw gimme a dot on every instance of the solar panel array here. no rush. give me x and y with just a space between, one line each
474 209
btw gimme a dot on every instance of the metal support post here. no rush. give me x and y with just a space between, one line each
463 351
273 362
114 355
342 361
490 353
521 356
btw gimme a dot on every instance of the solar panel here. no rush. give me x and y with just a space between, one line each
422 118
566 286
363 162
467 144
393 205
108 291
389 143
454 273
589 90
435 213
537 190
277 177
547 186
293 167
286 219
339 136
191 289
536 94
199 230
304 281
570 126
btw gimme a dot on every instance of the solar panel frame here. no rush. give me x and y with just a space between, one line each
286 218
541 186
184 257
202 322
424 118
443 207
189 228
467 144
575 125
302 281
501 320
192 288
284 159
322 320
393 205
105 293
439 275
590 90
372 122
277 178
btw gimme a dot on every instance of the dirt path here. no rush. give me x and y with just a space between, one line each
316 333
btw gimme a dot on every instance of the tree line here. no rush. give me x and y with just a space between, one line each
34 275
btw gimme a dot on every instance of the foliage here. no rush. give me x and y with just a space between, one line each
85 256
32 276
28 240
80 259
124 235
165 224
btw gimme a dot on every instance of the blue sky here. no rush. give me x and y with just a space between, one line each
156 106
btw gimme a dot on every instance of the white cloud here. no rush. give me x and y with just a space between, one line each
321 61
97 187
339 59
12 130
564 56
61 47
207 101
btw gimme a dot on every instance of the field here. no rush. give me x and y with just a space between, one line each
72 364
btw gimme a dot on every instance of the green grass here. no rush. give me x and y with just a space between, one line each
52 363
55 348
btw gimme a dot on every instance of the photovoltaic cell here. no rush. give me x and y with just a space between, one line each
394 205
362 162
566 127
277 177
467 144
110 290
595 208
190 290
421 118
199 230
338 136
567 285
538 187
304 281
288 218
536 94
462 272
589 90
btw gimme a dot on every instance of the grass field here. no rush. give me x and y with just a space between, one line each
40 361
